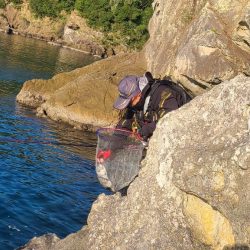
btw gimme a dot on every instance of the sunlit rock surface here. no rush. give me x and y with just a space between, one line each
199 43
85 96
193 189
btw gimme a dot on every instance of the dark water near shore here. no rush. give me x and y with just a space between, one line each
43 187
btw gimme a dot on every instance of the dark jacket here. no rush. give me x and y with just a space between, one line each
162 100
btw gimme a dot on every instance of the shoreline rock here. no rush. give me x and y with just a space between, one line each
59 44
83 97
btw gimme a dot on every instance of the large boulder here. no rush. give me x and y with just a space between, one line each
193 189
199 43
85 96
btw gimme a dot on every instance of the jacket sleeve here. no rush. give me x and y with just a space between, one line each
168 103
127 120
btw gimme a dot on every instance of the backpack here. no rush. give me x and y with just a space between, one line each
153 85
174 87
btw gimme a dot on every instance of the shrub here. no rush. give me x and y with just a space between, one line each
2 4
51 8
129 19
16 2
98 13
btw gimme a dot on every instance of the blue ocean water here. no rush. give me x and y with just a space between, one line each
44 188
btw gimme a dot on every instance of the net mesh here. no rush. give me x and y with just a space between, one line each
118 157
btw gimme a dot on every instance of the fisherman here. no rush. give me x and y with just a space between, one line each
144 100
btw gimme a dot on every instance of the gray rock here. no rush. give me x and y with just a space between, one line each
46 241
192 191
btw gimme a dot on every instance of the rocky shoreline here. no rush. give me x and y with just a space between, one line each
192 191
71 31
54 43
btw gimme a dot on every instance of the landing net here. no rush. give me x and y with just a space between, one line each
118 157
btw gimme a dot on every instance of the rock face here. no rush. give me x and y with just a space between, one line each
199 43
193 189
83 97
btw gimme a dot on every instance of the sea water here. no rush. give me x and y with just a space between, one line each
44 187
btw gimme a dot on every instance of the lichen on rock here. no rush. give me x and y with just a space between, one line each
207 224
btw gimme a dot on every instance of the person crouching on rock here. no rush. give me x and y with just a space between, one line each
144 101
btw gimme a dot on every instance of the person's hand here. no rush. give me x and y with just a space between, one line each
147 130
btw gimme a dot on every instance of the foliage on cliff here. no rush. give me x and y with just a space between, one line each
123 21
2 3
51 8
128 19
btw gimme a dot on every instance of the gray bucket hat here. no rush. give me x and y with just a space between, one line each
128 88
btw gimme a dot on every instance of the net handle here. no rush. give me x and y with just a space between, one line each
128 132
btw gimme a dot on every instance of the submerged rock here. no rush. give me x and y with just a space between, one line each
193 189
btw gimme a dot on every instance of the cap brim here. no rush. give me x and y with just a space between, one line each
121 103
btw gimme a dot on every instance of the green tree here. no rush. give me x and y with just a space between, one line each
127 18
51 8
98 13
